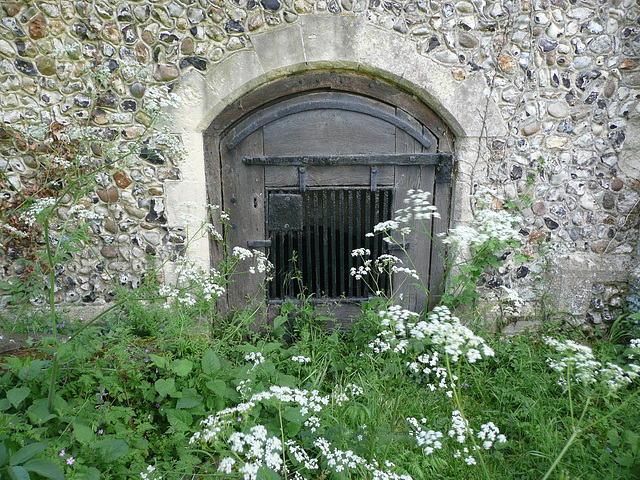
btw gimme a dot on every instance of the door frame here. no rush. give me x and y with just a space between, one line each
339 81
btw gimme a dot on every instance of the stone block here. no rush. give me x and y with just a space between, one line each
330 40
280 49
236 75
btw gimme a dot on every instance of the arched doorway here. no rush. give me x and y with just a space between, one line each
308 164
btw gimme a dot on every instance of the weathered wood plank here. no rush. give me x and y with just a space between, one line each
243 200
327 176
419 253
328 132
442 200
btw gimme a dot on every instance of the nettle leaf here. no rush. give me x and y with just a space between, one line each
211 362
181 367
111 449
39 413
292 429
165 387
180 419
17 395
83 433
5 404
159 361
190 399
217 386
292 414
18 473
27 452
88 474
45 468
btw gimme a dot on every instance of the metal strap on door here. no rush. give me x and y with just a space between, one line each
442 161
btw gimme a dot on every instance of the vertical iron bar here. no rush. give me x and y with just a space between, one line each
325 242
350 262
359 236
299 249
340 247
316 239
376 219
333 248
281 265
290 265
367 225
386 208
309 239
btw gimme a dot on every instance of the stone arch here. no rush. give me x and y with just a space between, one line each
328 42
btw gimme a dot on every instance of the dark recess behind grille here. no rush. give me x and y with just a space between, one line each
335 222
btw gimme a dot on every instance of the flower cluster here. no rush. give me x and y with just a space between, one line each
341 461
300 359
488 225
579 360
309 402
190 277
429 440
30 216
255 357
341 395
385 263
159 97
262 263
258 449
418 207
82 213
149 475
445 330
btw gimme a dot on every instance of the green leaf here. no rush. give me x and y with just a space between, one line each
217 386
83 433
160 362
111 449
267 474
17 395
39 413
27 452
5 404
181 419
88 474
181 367
292 414
165 387
18 473
3 453
44 467
292 429
210 362
190 399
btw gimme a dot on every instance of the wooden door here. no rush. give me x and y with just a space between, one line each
338 145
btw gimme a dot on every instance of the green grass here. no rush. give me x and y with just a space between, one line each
134 390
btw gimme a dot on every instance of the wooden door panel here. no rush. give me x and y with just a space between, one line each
243 199
419 251
328 132
278 176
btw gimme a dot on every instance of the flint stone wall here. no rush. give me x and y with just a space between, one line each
543 97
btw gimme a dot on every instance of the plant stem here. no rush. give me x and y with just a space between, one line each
456 396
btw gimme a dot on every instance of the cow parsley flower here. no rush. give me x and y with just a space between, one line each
418 207
579 360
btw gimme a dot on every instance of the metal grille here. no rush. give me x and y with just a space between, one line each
311 252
